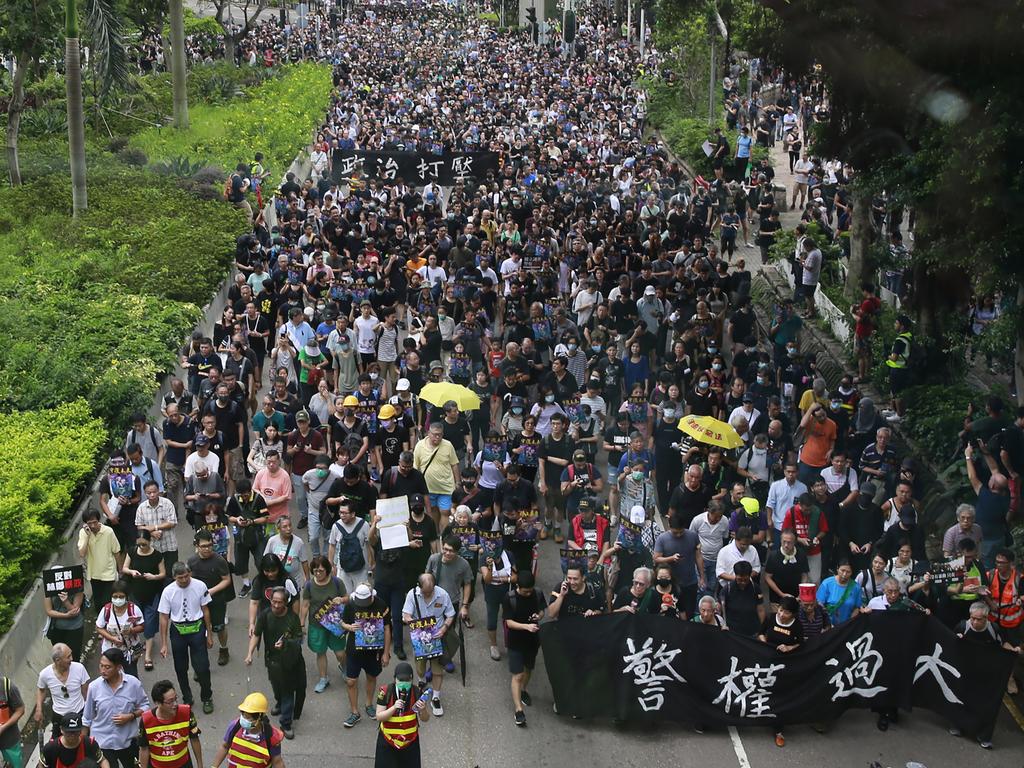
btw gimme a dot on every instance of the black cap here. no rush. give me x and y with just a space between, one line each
415 500
71 723
403 671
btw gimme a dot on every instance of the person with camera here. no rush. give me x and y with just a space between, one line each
579 479
522 608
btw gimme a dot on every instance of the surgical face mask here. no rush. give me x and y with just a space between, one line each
118 602
403 687
835 405
386 423
246 723
712 350
516 410
222 399
441 315
704 385
321 473
791 351
374 376
549 398
638 475
716 366
760 380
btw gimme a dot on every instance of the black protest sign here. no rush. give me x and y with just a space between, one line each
415 168
67 578
641 668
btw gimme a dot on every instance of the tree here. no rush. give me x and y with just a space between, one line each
233 33
112 65
26 27
178 72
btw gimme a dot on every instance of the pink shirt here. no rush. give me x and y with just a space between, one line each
274 488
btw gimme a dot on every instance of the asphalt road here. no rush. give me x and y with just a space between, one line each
477 727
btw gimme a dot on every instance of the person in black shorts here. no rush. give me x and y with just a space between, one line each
367 622
522 609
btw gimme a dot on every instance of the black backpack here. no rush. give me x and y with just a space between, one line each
350 555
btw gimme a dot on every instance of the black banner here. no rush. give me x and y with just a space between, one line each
415 168
67 578
640 668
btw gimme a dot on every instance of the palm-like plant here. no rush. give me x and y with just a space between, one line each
111 59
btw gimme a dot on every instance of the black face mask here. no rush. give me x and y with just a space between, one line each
664 582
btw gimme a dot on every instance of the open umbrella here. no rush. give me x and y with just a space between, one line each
439 393
705 429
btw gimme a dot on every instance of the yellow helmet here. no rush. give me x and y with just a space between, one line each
387 411
350 400
254 703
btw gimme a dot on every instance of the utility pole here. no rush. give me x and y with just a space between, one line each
642 13
629 19
711 84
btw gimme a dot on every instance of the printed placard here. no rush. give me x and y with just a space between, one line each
68 578
369 634
425 642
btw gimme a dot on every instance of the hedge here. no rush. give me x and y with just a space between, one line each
46 457
278 119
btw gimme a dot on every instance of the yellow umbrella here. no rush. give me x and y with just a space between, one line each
705 429
439 393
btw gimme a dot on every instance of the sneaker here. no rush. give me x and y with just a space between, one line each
245 590
495 653
984 744
780 740
559 538
321 685
222 657
371 712
449 667
400 654
303 523
525 698
435 707
208 707
699 728
954 732
351 720
543 533
520 718
289 732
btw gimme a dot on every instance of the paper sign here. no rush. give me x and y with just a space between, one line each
425 642
68 579
393 511
708 148
393 537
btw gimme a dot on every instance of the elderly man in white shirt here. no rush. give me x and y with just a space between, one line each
736 550
429 602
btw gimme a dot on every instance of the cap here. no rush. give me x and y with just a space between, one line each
868 490
308 311
71 723
908 515
402 385
517 401
403 671
415 500
436 364
747 397
649 290
202 440
312 348
637 515
323 460
302 416
350 401
808 593
909 464
387 411
363 595
580 455
585 503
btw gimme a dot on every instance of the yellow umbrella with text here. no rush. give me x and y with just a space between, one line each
440 392
705 429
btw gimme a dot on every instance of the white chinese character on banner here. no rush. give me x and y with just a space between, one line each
390 169
651 670
462 167
350 164
752 699
428 170
865 663
934 664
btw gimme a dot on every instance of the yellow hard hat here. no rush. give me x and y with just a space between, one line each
254 703
387 411
750 505
350 400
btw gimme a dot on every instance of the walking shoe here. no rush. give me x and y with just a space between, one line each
303 523
321 685
222 657
449 667
543 533
245 590
984 744
289 732
524 697
520 717
351 720
780 740
495 653
559 538
435 707
400 654
208 707
954 731
371 712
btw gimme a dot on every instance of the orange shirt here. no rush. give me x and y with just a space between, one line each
820 437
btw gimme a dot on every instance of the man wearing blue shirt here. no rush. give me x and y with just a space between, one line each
743 144
782 494
114 703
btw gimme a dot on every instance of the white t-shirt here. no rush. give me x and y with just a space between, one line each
878 603
730 555
118 625
361 537
366 338
712 537
184 605
297 555
74 701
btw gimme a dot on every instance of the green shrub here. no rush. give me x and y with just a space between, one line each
278 119
46 457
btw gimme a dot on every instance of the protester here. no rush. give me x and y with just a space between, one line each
113 704
185 619
71 748
280 632
168 732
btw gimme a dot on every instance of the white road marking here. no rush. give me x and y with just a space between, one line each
737 747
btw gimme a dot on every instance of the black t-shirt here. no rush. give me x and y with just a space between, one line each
559 449
524 610
776 634
143 592
391 444
513 498
210 571
615 436
787 576
362 496
576 605
415 558
376 615
689 503
456 433
741 608
55 750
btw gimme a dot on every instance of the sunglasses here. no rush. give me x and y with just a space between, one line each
64 690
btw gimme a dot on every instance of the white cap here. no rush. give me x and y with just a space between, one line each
649 290
402 385
308 311
363 592
637 515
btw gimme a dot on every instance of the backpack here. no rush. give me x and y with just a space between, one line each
350 555
226 193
